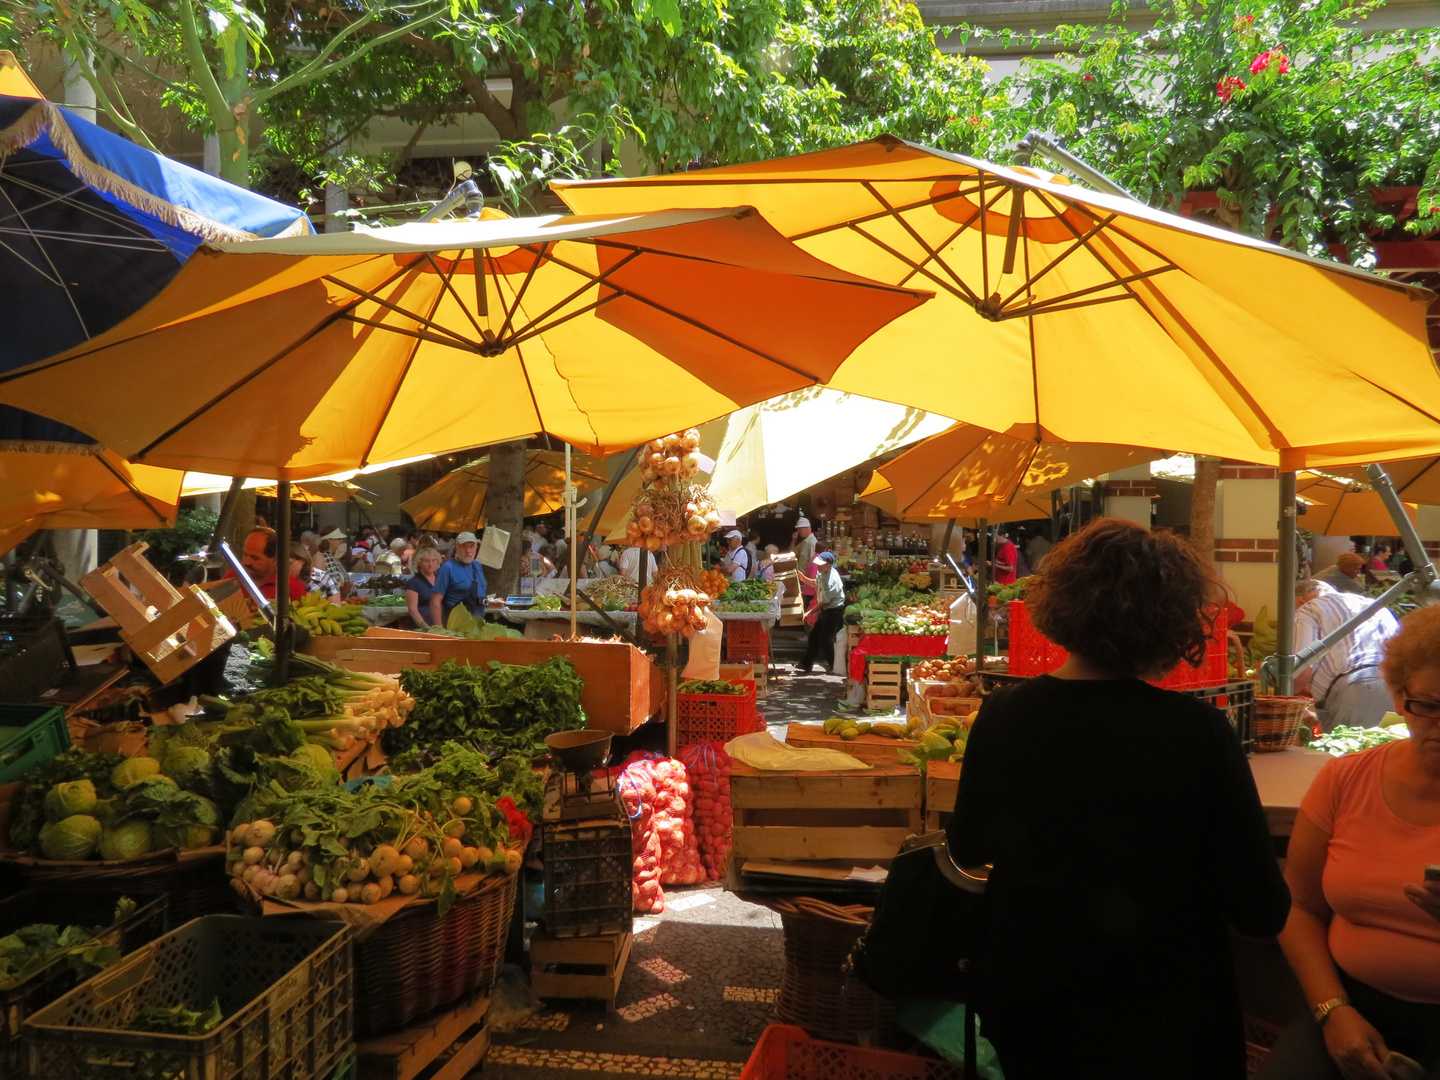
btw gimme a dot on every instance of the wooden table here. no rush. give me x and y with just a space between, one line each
1282 779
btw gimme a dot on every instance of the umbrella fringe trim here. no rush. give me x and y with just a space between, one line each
39 446
45 117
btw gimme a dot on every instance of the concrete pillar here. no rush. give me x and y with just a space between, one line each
1427 524
79 94
1247 534
212 155
1129 493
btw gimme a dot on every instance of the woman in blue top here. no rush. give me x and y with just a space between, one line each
461 580
420 588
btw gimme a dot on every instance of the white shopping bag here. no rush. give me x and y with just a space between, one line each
493 546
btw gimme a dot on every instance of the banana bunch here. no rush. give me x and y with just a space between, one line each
1265 640
848 728
944 740
323 618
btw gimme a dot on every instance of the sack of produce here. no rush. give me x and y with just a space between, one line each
708 767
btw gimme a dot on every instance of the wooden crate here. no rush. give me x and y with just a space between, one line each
413 1052
875 749
883 680
854 814
942 784
603 665
185 626
589 968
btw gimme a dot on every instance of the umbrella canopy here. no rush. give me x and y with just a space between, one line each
1415 479
1080 317
1337 507
92 226
770 451
323 353
880 494
971 472
82 488
456 502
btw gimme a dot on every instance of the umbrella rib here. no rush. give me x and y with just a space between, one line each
422 320
590 280
100 456
446 285
39 270
540 257
716 333
20 217
898 217
1063 303
58 236
447 340
250 376
948 241
1080 242
934 200
535 329
51 196
962 293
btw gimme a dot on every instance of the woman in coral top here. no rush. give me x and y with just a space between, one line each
1364 929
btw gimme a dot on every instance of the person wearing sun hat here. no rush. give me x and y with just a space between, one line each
829 609
460 581
328 561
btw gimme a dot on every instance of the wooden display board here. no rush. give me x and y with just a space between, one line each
858 814
623 686
942 784
875 749
601 962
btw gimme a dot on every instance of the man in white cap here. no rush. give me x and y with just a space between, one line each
735 563
459 581
802 543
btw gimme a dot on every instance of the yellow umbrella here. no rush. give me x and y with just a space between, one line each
1087 318
66 486
300 357
456 502
770 451
1415 479
971 472
880 494
1336 507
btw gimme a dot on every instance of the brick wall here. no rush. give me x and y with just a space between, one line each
1232 549
1245 470
1129 489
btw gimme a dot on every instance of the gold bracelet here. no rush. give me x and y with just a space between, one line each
1325 1008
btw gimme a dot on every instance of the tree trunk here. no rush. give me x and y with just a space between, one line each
1202 507
505 509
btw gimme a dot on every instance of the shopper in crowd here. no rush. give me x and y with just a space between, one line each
550 562
630 564
1122 826
752 553
1022 564
735 562
765 569
1364 928
420 587
802 543
603 560
1344 576
1036 548
1346 682
1005 564
1380 559
461 581
828 609
313 578
332 546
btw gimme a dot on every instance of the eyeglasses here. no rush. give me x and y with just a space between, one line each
1426 710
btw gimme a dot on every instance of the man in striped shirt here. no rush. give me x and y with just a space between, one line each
1346 682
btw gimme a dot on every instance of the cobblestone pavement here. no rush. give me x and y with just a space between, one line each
702 978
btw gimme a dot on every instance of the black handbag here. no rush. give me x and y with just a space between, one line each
927 927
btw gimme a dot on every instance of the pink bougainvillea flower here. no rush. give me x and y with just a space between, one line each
1226 87
1265 59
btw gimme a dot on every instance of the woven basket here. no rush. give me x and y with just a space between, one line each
1280 722
194 881
417 961
816 992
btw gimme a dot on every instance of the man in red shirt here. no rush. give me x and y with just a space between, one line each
1006 558
259 557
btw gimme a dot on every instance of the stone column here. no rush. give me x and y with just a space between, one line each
1128 494
1247 534
1427 524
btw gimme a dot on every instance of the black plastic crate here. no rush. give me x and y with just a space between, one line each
41 987
285 987
588 871
1237 701
35 655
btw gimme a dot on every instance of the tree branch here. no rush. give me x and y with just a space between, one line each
114 107
220 109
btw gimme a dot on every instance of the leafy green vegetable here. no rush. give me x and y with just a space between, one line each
709 686
71 797
32 948
71 765
72 839
498 708
127 840
132 771
1344 740
178 1020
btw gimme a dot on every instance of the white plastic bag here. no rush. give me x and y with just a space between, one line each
962 627
842 653
493 546
704 660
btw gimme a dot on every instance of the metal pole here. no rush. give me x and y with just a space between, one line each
570 531
227 512
1050 147
1285 592
1405 528
982 589
672 662
282 583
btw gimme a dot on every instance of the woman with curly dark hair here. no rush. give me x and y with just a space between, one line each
1123 827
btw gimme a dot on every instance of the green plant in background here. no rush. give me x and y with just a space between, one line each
192 531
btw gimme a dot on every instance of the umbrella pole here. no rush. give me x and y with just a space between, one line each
982 590
672 663
570 531
282 583
1285 595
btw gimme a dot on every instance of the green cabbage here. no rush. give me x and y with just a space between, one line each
129 773
75 797
319 759
71 839
184 837
185 764
128 840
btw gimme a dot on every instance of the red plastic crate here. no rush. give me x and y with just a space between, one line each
716 717
787 1053
747 640
1031 653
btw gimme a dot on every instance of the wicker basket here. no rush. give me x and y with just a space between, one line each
1280 722
816 992
417 961
194 881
